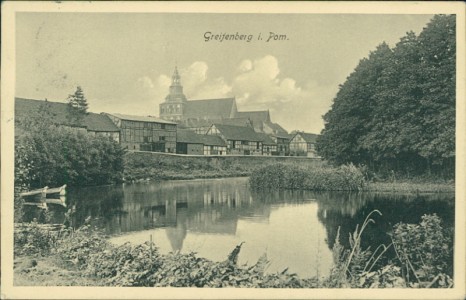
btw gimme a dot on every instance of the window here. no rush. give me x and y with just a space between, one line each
258 145
161 138
162 126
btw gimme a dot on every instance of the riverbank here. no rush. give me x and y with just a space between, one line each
411 187
162 166
343 178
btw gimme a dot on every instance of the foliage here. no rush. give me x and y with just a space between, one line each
58 155
78 246
33 239
77 106
280 176
424 245
396 111
159 166
424 250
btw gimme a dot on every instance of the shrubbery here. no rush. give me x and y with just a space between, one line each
61 156
280 176
423 259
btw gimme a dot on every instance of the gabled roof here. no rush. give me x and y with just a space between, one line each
59 112
210 108
140 118
255 116
238 133
308 137
278 130
196 123
213 140
188 136
236 122
266 139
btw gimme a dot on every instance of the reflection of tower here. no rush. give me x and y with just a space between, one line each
177 234
173 107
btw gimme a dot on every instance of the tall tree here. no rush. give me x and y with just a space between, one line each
77 106
396 111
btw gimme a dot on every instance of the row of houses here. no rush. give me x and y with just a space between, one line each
147 133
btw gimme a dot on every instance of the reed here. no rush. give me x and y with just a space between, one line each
297 177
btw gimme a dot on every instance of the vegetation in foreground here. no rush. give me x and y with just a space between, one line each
420 255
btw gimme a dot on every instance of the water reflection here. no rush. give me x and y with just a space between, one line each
297 229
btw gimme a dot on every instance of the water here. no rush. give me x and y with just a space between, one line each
296 229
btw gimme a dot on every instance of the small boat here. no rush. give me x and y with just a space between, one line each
56 192
60 201
42 197
34 196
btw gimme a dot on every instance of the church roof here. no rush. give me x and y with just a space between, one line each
255 116
140 118
238 133
210 108
195 123
58 114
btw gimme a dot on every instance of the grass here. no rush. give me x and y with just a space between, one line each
411 187
159 166
298 177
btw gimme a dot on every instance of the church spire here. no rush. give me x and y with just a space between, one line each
176 79
176 89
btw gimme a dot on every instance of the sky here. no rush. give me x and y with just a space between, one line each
124 61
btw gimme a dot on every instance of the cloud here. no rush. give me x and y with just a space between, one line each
257 85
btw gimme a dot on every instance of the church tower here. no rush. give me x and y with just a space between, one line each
173 107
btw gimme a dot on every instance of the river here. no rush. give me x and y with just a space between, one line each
296 229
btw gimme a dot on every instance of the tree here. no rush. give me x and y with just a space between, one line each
77 106
396 111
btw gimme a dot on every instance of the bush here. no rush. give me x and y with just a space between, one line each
422 258
281 176
424 249
34 239
60 156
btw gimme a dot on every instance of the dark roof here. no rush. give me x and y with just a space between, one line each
210 108
278 130
188 136
213 140
59 111
266 139
238 133
308 137
255 116
141 118
192 123
195 123
236 122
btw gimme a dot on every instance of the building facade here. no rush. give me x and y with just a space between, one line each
304 144
145 133
239 140
57 114
199 115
